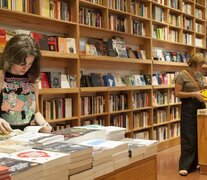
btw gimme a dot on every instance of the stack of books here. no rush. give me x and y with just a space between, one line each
20 169
80 155
4 173
112 132
78 134
136 150
86 175
119 153
55 165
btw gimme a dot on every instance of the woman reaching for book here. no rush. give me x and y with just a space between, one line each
19 71
188 84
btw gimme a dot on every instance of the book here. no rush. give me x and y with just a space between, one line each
44 82
11 134
49 159
4 170
41 40
96 79
11 145
204 94
71 45
20 168
116 146
76 135
65 147
38 138
53 43
55 79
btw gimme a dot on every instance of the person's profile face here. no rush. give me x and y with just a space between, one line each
22 68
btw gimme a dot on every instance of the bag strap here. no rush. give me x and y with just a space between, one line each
192 79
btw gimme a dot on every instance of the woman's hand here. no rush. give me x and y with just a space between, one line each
46 128
5 128
198 96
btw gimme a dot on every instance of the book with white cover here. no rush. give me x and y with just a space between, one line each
11 145
47 158
79 134
135 148
38 138
151 146
117 146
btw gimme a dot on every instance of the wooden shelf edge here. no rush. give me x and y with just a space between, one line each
50 91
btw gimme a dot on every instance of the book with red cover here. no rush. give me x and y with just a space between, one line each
44 80
53 43
2 37
41 40
4 170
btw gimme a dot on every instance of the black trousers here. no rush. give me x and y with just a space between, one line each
188 126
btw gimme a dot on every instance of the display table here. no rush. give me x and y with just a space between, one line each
202 140
145 169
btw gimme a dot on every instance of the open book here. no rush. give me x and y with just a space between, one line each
15 132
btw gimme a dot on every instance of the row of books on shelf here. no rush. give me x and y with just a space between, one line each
92 105
141 119
61 159
140 100
114 47
57 80
170 56
120 5
139 8
57 108
44 41
160 98
159 116
174 113
164 79
58 9
111 80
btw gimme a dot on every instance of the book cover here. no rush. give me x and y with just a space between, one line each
65 147
38 138
72 81
4 170
10 146
71 45
53 43
119 47
41 40
2 37
76 135
62 46
44 80
55 79
49 158
96 79
18 166
109 80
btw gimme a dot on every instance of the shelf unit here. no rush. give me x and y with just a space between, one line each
129 14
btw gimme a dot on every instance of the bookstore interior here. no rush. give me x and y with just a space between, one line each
106 85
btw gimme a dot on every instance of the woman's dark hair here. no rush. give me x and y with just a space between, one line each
17 49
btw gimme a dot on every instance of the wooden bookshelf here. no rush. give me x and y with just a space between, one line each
74 63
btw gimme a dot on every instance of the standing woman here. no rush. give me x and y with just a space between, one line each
19 71
188 84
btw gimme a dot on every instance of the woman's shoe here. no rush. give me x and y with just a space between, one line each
183 172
